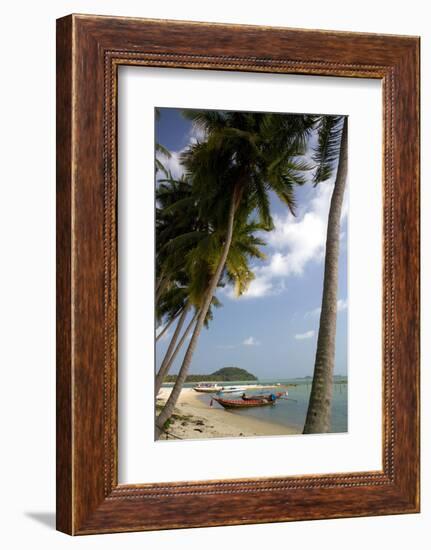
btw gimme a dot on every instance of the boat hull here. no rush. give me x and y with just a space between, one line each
232 389
263 396
207 390
242 403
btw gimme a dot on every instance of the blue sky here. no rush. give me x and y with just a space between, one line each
271 331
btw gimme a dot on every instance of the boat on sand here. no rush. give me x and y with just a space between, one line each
217 388
232 389
208 388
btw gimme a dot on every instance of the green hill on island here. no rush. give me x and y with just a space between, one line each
226 374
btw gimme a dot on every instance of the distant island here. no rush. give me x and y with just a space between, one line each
226 374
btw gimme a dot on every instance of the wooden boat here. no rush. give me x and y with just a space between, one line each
247 402
207 388
232 389
267 396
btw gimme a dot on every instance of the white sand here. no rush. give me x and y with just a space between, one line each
195 419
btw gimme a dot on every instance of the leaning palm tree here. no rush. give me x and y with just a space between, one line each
330 154
178 231
245 155
190 297
245 247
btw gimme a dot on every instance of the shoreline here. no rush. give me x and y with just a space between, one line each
193 418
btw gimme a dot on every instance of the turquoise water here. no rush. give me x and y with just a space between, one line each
292 411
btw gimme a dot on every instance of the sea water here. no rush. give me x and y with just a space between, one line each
293 410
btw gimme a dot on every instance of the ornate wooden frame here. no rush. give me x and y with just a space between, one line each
89 51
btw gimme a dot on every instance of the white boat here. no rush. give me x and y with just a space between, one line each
233 389
207 388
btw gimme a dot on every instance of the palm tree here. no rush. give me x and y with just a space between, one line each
244 156
178 231
172 317
244 247
197 250
173 350
331 152
173 306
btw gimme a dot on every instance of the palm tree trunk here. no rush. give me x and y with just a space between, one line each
168 409
319 408
172 343
169 359
169 324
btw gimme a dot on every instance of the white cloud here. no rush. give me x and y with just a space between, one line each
294 242
341 306
251 341
313 313
260 286
302 239
197 134
304 335
172 164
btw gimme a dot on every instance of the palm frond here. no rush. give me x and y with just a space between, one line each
205 120
328 147
163 150
263 204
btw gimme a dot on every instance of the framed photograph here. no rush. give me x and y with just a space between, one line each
237 274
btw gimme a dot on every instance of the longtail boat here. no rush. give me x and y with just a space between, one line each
247 402
267 396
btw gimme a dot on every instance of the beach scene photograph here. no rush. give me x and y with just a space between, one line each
251 274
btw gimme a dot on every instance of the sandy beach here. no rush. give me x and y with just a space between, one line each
195 419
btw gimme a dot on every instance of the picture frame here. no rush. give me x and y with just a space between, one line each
89 51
